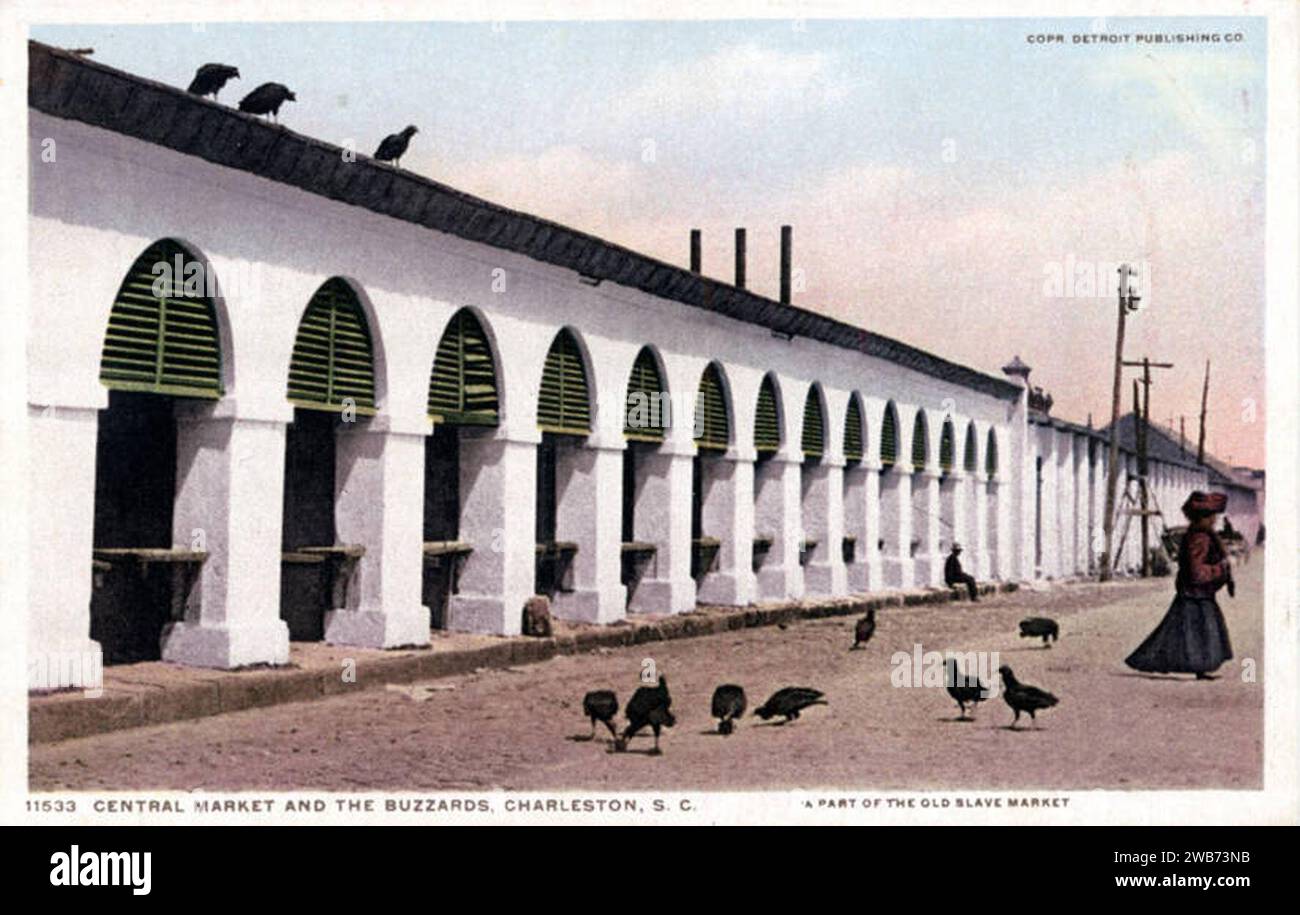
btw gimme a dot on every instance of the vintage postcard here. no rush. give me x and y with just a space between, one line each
632 413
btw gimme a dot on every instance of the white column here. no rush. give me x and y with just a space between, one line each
979 525
61 500
896 526
498 502
855 525
823 521
873 530
1065 503
663 517
954 525
589 491
777 515
229 493
925 515
728 515
379 504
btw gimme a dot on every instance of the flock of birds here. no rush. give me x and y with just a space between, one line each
267 98
651 706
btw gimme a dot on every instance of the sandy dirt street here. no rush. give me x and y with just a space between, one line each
515 728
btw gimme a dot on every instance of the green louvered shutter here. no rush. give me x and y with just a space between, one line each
333 362
991 455
889 438
970 461
647 401
767 424
853 449
161 339
920 447
814 426
463 384
563 405
947 447
712 425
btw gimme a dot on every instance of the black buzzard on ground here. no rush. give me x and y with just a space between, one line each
1022 697
1040 626
394 146
267 99
865 629
789 702
964 689
728 705
601 705
648 705
209 79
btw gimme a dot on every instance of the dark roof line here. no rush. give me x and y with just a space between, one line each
65 85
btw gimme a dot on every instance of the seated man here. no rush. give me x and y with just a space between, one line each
953 574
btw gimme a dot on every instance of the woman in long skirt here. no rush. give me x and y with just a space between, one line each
1193 637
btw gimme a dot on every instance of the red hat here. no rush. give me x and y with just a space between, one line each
1212 502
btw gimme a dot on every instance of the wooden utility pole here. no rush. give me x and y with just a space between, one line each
1141 436
1205 393
1128 301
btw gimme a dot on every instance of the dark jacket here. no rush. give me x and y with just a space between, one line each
1203 566
952 570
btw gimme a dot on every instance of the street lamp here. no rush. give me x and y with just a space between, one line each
1128 302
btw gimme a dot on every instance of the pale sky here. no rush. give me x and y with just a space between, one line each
942 177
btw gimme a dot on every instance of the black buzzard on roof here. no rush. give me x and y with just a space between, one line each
267 99
209 79
394 146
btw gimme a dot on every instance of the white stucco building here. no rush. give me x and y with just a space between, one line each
274 391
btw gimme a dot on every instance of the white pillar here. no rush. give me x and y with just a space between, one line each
229 493
823 521
896 526
379 504
728 515
979 524
777 515
663 517
855 525
589 490
61 500
873 532
498 502
954 525
925 505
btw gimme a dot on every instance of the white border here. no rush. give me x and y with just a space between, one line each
1276 804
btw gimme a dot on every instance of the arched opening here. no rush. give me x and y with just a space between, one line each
712 439
813 478
973 532
161 354
332 388
992 525
950 497
463 402
922 518
646 418
895 501
856 540
564 414
767 482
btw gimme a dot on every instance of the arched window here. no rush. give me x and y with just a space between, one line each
463 383
162 335
333 361
712 424
813 441
991 455
563 403
947 447
920 444
853 446
889 437
767 421
970 461
646 411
